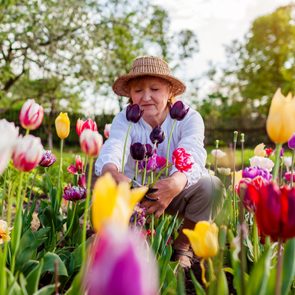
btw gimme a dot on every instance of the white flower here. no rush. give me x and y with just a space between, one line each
261 162
287 161
217 153
224 171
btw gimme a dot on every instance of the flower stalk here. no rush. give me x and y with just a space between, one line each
277 162
279 268
124 149
168 147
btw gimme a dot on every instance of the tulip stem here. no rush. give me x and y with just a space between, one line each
168 147
292 168
279 269
59 175
86 208
144 171
242 149
234 176
255 240
125 144
136 169
277 162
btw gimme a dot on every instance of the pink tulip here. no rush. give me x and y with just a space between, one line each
31 115
27 153
121 263
182 160
83 125
107 129
78 167
91 142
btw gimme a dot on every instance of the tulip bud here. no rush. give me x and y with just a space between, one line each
82 180
291 142
31 115
47 159
148 150
217 153
9 134
203 239
74 193
157 136
178 111
182 160
126 262
91 142
27 153
107 129
133 113
137 151
62 125
82 125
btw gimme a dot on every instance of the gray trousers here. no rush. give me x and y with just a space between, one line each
195 202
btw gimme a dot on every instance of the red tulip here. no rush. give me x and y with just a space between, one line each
77 168
182 160
27 153
48 159
91 142
31 115
83 125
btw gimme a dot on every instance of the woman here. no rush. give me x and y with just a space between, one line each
151 85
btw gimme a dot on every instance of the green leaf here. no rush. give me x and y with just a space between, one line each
260 273
33 278
76 285
180 290
288 266
49 261
222 287
198 288
47 290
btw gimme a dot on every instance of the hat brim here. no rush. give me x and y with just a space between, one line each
120 86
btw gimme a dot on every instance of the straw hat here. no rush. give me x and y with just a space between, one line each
148 66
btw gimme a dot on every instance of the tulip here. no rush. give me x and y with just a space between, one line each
121 263
27 153
291 142
31 115
157 136
47 159
137 151
74 193
287 176
154 163
259 150
112 202
261 162
178 111
82 125
62 125
4 232
9 134
133 113
203 239
280 124
107 129
269 152
149 150
217 153
91 142
82 180
138 216
287 161
78 167
282 152
224 171
182 160
252 172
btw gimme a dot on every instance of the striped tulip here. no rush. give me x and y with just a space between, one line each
31 115
107 129
27 153
91 142
83 125
62 125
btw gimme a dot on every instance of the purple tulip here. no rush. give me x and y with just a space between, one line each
138 217
178 111
137 151
157 135
47 159
291 142
282 151
133 113
154 163
74 193
120 263
252 172
148 150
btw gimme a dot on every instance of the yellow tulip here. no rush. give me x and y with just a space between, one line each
203 239
4 232
113 203
62 125
259 150
280 124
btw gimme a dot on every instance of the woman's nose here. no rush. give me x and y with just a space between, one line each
146 95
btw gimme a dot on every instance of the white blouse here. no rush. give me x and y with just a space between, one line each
188 134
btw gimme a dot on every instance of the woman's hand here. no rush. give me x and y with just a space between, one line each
118 177
168 189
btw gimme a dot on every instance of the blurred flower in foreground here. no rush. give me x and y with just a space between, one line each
62 125
280 124
47 159
74 193
178 111
291 142
224 171
217 153
83 125
261 162
121 264
252 172
91 142
78 167
182 160
4 232
259 150
112 202
107 129
27 153
9 135
133 113
275 209
203 239
31 115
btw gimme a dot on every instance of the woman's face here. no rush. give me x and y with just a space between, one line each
151 94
